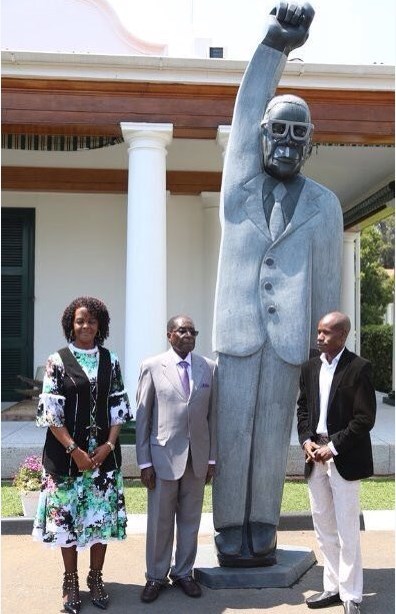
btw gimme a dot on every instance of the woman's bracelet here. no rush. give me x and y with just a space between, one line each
112 446
71 447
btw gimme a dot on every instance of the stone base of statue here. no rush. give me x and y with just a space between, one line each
291 563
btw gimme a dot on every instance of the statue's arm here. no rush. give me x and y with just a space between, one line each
327 264
287 29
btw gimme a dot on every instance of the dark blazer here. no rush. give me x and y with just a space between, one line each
350 416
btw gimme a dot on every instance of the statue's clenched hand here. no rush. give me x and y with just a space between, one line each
288 26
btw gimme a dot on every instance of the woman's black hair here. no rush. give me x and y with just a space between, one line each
96 308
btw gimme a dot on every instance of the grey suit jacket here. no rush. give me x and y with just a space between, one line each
168 423
271 290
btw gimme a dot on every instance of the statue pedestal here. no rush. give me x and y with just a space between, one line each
292 563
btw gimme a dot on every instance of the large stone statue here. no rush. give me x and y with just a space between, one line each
279 272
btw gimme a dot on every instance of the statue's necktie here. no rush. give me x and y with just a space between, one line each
185 380
277 223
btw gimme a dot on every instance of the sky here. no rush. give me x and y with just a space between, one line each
342 32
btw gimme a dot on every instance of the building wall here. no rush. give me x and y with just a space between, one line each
80 249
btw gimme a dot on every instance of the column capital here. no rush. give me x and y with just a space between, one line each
146 134
350 237
210 200
223 134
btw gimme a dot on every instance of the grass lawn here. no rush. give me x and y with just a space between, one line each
376 494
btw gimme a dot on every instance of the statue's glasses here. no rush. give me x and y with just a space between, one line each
278 129
183 330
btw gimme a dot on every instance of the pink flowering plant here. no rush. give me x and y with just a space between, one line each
29 475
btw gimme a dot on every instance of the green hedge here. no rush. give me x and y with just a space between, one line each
377 347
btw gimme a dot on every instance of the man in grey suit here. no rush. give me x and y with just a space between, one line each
175 447
279 272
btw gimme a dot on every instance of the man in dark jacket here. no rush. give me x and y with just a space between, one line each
335 413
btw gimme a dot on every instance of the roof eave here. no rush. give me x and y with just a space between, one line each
30 64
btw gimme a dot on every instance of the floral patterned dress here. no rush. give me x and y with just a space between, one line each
89 508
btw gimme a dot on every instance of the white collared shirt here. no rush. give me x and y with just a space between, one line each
326 375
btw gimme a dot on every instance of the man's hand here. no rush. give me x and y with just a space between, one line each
288 26
310 448
147 477
323 454
210 473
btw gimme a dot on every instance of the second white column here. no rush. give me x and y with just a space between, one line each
146 311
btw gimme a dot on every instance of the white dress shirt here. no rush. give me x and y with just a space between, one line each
325 380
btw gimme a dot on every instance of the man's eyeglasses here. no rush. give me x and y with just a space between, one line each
278 129
183 330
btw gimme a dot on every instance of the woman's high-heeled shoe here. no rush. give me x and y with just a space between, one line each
99 597
71 592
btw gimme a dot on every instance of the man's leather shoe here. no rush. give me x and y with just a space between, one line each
151 591
229 541
322 600
350 607
263 538
189 586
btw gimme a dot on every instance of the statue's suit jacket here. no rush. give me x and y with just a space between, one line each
168 423
303 266
350 415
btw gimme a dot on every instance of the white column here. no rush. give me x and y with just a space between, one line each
223 134
350 287
212 233
145 313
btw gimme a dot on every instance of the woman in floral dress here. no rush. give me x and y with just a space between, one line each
83 405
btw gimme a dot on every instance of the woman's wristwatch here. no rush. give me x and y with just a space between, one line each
111 445
71 447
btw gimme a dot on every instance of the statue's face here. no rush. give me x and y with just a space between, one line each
287 134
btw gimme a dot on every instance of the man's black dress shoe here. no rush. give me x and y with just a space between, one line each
229 541
263 538
189 586
151 591
322 600
350 607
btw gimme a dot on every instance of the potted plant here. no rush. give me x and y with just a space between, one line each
28 481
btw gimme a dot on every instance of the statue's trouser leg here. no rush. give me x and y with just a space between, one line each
256 404
276 406
238 380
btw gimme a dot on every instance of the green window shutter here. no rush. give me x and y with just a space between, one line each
17 301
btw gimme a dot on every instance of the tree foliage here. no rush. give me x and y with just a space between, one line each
387 252
375 283
377 346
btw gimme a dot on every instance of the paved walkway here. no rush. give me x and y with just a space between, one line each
31 574
31 580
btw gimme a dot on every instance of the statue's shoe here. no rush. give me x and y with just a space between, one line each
263 537
229 541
